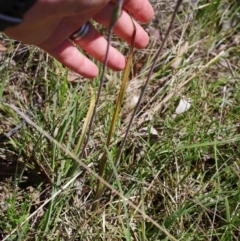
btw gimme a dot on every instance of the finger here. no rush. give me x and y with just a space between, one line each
124 27
70 56
140 9
96 45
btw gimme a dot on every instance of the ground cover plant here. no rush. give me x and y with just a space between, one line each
180 165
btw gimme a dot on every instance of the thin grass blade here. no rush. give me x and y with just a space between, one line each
86 122
115 115
114 18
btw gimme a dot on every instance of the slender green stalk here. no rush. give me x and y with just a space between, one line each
116 14
115 117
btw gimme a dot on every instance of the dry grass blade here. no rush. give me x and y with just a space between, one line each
115 116
89 170
122 90
87 121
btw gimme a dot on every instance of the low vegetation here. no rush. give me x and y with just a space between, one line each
181 162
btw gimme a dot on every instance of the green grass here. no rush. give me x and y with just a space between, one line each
186 178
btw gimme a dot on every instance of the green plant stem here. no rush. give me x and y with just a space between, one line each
116 14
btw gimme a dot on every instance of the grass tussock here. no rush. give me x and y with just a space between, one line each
181 163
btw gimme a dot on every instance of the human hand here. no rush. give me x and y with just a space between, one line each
49 23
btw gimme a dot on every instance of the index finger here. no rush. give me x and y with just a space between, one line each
139 9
